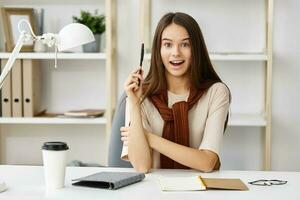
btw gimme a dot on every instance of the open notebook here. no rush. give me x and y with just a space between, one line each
197 183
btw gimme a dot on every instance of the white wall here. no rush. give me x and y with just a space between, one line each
286 95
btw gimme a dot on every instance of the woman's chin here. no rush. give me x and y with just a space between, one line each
176 68
177 73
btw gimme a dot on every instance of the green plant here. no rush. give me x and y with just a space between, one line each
95 22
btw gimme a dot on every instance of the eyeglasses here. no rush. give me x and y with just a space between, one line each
267 182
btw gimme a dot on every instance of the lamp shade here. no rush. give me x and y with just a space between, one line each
74 35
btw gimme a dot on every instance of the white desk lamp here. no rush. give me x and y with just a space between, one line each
70 36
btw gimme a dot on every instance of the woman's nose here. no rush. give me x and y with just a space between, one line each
175 51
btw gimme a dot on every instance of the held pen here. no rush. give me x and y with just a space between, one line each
141 60
141 65
142 55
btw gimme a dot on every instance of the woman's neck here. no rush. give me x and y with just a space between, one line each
178 85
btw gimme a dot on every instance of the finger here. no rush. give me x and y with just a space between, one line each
135 80
124 134
135 86
131 77
128 82
137 70
141 81
138 76
124 139
131 87
141 71
124 128
125 143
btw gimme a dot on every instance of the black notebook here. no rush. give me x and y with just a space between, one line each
109 180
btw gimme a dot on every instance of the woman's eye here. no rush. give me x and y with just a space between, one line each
185 44
167 44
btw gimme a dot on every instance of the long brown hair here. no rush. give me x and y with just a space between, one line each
201 70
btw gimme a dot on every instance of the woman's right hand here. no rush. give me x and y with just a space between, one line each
133 85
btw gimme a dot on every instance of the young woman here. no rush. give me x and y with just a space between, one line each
179 112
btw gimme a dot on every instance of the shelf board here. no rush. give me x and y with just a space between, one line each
232 56
51 55
239 56
43 2
52 120
234 120
257 120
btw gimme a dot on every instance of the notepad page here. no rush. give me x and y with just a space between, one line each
192 183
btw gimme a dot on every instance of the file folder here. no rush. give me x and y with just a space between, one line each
31 87
17 93
6 93
109 180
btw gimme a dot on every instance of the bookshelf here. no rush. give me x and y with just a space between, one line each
53 120
263 56
51 56
235 120
101 66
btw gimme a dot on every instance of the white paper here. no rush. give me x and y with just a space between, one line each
191 183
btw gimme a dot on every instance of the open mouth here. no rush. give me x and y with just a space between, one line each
176 62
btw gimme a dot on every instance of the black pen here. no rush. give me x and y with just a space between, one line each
142 55
141 60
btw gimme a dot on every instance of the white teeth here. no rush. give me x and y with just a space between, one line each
176 61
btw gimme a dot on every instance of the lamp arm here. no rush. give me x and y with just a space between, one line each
29 26
12 58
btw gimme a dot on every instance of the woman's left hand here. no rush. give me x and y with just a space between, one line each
124 134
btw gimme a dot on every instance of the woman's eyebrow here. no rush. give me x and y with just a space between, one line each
166 39
186 39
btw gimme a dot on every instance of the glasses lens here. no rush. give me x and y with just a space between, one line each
268 182
259 182
277 182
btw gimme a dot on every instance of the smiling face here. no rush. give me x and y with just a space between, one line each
176 51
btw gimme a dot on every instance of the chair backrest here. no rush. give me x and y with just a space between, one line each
115 144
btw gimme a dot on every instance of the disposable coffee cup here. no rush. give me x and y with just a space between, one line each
54 159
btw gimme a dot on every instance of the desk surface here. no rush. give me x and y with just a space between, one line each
27 182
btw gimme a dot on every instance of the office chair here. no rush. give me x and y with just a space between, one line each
115 144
